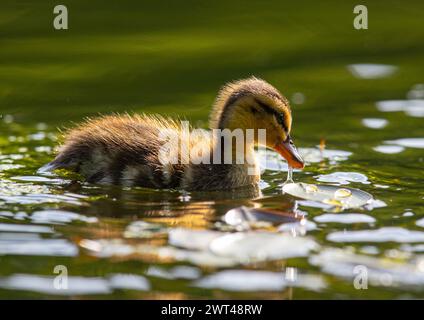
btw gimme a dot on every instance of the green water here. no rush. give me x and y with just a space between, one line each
171 59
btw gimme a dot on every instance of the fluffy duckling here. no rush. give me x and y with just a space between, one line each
126 150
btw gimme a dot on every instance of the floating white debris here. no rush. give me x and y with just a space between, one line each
408 142
40 179
325 194
243 280
298 228
409 214
250 247
389 149
129 282
27 193
5 167
314 155
314 204
235 280
40 247
244 218
17 236
199 258
343 177
345 218
420 222
104 248
192 239
59 217
46 284
37 136
380 272
374 123
386 234
46 149
412 248
11 156
375 203
178 272
143 229
8 227
371 70
370 250
413 107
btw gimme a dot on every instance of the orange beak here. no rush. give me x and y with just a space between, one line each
288 150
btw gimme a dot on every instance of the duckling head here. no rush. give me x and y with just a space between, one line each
255 104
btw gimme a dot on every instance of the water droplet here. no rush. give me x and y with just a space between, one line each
289 175
342 193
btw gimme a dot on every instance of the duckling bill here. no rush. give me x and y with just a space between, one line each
125 150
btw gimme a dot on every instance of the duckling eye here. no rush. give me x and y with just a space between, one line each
280 120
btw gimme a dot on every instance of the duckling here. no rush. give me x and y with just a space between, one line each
127 149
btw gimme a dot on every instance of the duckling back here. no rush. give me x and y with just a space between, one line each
120 150
129 150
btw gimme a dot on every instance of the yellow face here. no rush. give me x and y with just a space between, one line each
261 113
255 104
270 114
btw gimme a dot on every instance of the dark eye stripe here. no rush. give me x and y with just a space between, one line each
279 116
280 120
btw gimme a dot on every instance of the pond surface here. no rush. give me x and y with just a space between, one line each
358 93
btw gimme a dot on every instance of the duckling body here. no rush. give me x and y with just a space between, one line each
129 150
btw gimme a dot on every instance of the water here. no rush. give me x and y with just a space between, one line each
140 243
289 178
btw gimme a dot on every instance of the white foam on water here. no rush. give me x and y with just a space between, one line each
385 234
178 272
389 149
192 239
9 227
144 229
345 218
243 280
412 107
375 123
420 222
247 247
256 280
408 142
59 217
39 179
129 282
46 285
379 271
343 178
299 228
34 247
371 70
